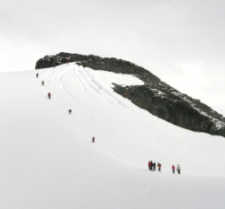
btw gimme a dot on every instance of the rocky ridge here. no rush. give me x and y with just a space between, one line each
155 96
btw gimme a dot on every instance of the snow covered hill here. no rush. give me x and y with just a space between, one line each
153 95
49 162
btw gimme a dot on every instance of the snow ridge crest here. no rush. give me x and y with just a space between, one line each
155 96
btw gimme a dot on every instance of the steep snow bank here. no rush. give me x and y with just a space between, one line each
48 160
155 96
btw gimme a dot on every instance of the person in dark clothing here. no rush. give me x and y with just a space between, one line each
93 139
173 169
37 75
178 169
159 165
70 111
49 95
42 83
153 166
150 165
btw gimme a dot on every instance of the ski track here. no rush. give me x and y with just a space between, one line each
102 89
80 81
99 86
83 77
92 88
89 83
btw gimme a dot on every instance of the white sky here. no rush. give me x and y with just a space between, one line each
182 42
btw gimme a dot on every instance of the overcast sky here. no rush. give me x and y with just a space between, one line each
182 42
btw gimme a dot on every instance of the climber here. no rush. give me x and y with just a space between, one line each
49 95
153 166
42 83
159 165
93 139
173 169
37 75
178 169
150 165
70 111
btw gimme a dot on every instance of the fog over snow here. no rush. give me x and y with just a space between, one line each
47 160
180 41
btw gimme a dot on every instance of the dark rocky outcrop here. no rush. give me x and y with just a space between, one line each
98 63
155 96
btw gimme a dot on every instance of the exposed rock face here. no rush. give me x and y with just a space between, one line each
98 63
155 96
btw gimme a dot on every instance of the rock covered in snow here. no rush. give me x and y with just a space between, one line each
154 95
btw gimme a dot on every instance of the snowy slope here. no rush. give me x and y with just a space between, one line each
48 160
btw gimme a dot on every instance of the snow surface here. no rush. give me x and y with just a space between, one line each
48 160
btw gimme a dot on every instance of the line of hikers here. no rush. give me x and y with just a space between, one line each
49 95
174 169
153 166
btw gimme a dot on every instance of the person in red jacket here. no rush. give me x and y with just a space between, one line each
49 95
150 165
173 169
